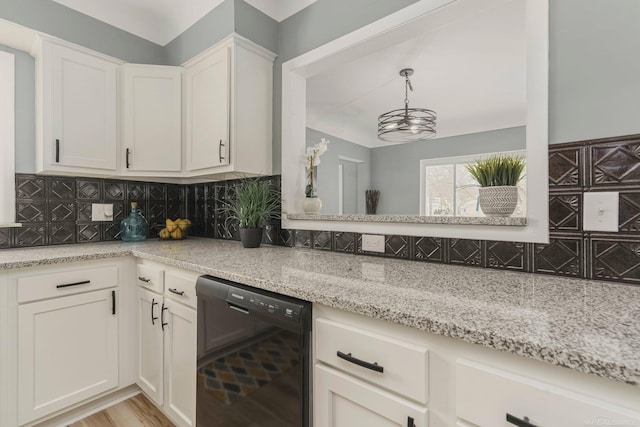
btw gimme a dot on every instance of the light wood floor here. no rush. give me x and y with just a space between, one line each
134 412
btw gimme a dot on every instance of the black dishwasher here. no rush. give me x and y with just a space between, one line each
253 357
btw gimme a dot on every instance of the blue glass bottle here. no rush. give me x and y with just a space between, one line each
134 228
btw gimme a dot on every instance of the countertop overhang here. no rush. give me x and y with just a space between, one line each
589 326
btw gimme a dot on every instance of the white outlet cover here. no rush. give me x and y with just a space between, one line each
600 211
373 243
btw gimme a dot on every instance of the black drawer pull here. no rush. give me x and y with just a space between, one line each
220 151
349 358
175 291
162 322
57 151
524 422
411 422
66 285
128 152
113 303
153 305
144 279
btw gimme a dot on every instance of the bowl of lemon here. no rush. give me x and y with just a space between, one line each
175 229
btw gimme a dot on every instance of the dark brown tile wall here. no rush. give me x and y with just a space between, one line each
55 210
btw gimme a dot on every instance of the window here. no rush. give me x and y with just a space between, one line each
447 189
7 139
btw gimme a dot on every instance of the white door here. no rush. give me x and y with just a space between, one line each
82 110
150 344
67 352
151 118
208 91
343 401
180 363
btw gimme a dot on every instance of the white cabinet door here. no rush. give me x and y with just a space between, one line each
151 118
67 352
80 110
207 101
180 363
150 360
342 401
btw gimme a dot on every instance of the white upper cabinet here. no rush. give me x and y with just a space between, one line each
207 101
77 111
151 119
228 105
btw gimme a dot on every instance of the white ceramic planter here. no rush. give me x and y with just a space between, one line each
498 201
311 205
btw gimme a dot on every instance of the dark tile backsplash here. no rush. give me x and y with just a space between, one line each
57 210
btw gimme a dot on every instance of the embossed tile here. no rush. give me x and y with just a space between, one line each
562 256
174 192
61 188
322 240
30 187
302 239
61 233
615 163
114 190
506 255
88 233
344 242
30 235
270 235
396 246
136 191
467 252
428 249
565 212
615 259
156 210
629 214
286 238
89 189
83 211
110 231
156 192
61 211
565 167
174 210
30 211
5 238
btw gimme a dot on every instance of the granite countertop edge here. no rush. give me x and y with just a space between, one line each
558 355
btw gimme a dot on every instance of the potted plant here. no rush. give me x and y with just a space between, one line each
312 203
254 201
498 177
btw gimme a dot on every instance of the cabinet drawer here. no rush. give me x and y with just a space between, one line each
485 395
181 286
151 277
61 283
404 365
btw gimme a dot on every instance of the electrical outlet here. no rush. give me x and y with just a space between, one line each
601 211
101 212
373 243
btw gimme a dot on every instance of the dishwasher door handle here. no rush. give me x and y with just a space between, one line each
238 308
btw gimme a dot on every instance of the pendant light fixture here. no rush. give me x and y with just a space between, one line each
407 124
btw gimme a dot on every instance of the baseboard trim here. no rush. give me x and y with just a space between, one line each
76 414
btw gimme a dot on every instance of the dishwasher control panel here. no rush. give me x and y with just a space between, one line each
257 302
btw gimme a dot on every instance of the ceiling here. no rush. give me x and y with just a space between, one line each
160 21
471 70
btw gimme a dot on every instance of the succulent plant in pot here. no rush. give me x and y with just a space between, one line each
254 201
498 177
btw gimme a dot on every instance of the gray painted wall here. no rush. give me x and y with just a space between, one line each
396 169
60 21
25 110
327 170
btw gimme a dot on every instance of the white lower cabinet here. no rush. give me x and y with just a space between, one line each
343 401
167 346
67 351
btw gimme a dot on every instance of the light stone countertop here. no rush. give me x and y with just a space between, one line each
588 326
414 219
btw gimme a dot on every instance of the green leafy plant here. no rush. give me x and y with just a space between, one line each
254 200
497 170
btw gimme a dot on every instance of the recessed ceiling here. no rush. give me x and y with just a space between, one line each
160 21
471 71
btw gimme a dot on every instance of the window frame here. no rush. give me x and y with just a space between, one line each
454 161
7 140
